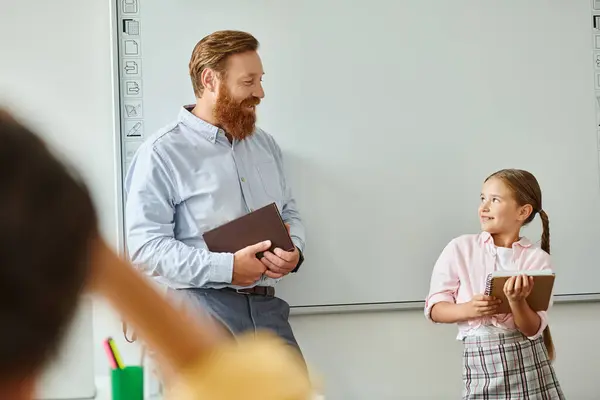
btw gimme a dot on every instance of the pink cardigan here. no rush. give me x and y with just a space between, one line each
461 271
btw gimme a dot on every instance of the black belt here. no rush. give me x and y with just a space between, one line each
268 291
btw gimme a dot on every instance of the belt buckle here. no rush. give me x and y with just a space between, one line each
242 291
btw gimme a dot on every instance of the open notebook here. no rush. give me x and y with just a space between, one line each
538 299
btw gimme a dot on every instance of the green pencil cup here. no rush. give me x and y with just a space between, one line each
127 383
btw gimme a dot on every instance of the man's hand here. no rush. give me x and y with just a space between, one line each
247 269
517 288
280 263
481 306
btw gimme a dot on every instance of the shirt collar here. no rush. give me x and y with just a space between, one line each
198 125
486 237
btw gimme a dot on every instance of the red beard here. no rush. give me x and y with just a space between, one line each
235 118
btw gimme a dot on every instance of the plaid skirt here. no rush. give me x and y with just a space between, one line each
508 366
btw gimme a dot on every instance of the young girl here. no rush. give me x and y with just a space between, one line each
506 356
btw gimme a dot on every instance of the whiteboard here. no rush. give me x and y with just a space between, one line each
390 114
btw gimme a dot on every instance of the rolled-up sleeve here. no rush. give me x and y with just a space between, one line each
543 324
151 199
444 280
289 213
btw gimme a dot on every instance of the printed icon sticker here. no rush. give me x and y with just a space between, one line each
131 47
131 26
133 88
129 6
130 149
134 129
131 68
133 109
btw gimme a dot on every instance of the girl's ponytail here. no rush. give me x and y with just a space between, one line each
546 247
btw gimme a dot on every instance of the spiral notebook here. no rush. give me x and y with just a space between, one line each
538 299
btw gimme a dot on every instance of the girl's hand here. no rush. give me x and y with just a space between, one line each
481 306
517 288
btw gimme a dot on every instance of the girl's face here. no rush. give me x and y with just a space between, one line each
499 212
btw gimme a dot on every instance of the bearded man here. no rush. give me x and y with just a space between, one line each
210 166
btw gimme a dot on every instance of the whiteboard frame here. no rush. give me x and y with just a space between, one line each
414 305
294 310
117 144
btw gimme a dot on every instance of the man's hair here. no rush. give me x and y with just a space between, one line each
47 222
213 51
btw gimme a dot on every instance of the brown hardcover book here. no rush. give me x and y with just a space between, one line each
538 299
257 226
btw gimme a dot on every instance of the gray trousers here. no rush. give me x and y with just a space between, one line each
239 312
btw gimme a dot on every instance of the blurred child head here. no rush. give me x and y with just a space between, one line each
47 221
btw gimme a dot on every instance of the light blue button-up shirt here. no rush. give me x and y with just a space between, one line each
187 179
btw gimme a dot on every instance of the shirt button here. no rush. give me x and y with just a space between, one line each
243 179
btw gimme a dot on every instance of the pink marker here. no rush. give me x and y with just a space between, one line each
111 357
